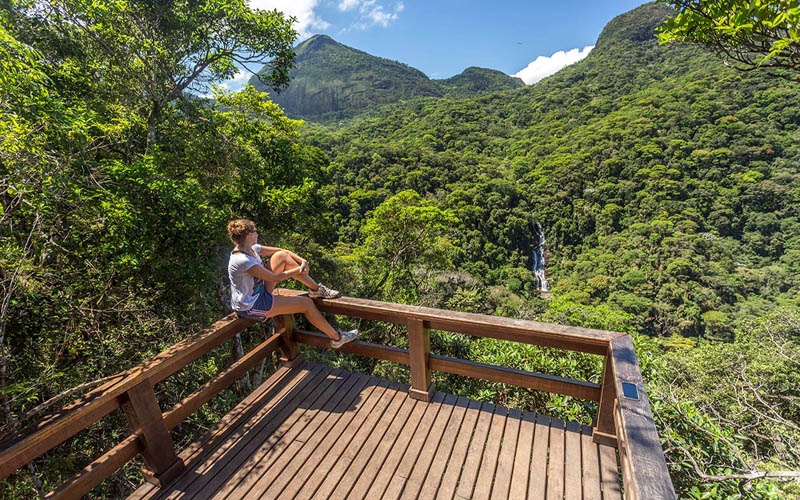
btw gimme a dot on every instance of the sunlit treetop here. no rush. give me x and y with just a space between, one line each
750 34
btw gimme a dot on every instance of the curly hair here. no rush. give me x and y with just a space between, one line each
238 229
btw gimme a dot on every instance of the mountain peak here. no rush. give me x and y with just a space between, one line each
638 25
475 80
332 79
316 42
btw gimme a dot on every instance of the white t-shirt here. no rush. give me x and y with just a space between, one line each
242 284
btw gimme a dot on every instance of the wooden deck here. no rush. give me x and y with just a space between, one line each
314 432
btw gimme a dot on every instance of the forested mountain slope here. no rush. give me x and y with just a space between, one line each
474 81
333 81
666 183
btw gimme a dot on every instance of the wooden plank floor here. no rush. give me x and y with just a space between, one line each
315 432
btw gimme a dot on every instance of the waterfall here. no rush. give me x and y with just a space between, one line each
538 259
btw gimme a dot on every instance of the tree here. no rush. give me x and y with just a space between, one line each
404 232
152 51
729 411
108 251
751 34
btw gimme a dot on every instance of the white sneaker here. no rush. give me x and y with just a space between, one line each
344 337
323 292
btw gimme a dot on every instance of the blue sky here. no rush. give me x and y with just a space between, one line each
443 37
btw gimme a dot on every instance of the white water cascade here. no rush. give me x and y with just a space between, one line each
538 259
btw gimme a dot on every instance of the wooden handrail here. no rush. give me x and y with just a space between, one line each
112 397
520 378
528 380
126 450
206 393
516 330
641 456
132 390
621 421
102 468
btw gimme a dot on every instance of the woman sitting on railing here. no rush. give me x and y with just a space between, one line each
253 280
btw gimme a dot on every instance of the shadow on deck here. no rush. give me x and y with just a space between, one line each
317 432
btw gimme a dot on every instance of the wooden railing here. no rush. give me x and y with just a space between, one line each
624 417
133 392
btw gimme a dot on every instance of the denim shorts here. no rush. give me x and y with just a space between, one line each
261 308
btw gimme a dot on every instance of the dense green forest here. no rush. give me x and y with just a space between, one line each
666 184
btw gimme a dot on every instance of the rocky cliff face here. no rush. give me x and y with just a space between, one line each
331 80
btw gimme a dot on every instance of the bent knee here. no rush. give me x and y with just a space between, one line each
280 255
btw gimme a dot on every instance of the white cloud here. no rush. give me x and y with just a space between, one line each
346 5
371 12
238 81
302 10
545 66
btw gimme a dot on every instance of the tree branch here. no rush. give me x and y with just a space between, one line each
747 477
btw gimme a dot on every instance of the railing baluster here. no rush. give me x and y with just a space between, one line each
605 432
144 415
419 350
290 350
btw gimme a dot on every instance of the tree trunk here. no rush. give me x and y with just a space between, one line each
238 353
152 120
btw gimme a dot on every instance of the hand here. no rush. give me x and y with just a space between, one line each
304 267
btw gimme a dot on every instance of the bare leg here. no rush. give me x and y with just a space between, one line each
304 305
282 261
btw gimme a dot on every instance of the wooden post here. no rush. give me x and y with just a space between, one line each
419 350
144 416
605 432
290 350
